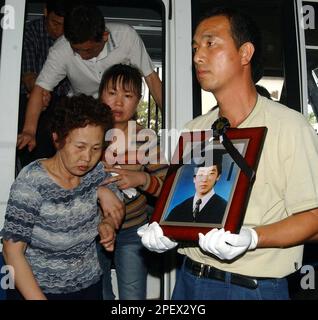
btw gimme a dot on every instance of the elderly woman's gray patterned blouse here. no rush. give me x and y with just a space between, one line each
59 226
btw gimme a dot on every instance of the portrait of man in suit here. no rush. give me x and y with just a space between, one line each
205 206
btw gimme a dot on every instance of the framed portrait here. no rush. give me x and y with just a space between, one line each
204 187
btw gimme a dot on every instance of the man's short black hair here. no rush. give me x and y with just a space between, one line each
59 7
243 30
212 157
84 23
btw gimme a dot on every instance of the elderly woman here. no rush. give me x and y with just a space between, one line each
52 215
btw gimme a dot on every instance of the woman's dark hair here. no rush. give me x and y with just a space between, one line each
243 30
78 112
84 23
59 7
129 76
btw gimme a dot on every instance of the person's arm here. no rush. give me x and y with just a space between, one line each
34 109
141 59
111 205
313 238
28 80
150 180
126 178
106 230
13 253
294 230
299 172
156 175
155 170
53 71
289 232
23 208
155 87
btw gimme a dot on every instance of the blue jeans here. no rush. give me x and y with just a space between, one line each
129 258
190 287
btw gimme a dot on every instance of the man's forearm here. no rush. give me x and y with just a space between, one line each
155 87
34 109
291 231
28 80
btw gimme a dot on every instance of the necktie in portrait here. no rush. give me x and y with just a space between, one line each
196 208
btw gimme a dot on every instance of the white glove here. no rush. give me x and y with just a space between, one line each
130 192
226 245
153 239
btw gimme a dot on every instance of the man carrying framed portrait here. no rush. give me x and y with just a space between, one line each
282 211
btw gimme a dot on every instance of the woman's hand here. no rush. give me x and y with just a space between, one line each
106 230
126 178
111 205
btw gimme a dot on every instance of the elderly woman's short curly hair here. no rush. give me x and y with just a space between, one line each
77 112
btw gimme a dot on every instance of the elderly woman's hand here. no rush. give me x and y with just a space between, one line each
111 205
106 230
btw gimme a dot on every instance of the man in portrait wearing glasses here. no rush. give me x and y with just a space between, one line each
205 206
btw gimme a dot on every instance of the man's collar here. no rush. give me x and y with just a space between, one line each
204 199
111 43
109 46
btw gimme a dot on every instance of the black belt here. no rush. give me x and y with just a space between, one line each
205 271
